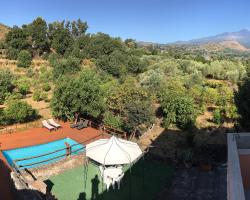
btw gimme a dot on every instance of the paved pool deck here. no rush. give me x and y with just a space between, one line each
37 136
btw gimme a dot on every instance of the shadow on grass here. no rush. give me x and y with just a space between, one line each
143 181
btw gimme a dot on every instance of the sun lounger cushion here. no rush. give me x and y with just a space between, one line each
53 123
47 125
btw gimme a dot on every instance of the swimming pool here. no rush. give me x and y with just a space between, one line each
41 149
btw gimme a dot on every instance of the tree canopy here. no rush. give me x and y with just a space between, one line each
81 94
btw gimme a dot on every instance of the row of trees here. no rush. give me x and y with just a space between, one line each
69 40
122 106
39 37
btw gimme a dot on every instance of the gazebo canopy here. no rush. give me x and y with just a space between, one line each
113 151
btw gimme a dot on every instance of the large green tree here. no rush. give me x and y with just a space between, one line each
38 31
81 94
16 40
132 104
60 37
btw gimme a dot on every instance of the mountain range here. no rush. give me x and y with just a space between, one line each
239 40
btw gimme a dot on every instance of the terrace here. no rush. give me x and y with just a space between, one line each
36 136
65 179
238 174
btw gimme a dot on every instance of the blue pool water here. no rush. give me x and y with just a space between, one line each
41 149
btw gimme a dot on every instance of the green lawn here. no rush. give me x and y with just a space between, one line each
70 185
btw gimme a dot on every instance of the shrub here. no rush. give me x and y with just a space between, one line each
217 118
64 66
44 96
210 95
179 110
6 85
112 120
12 53
23 85
13 96
225 70
18 111
37 95
24 59
46 87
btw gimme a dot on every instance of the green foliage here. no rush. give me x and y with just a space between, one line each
217 118
13 96
210 95
138 115
37 95
6 85
119 63
102 44
81 94
152 79
194 79
64 66
226 96
38 32
60 37
23 85
16 40
12 53
24 59
225 70
231 112
111 120
44 96
19 112
46 87
136 65
178 109
132 104
45 75
115 63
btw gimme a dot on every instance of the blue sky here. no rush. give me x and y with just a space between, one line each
144 20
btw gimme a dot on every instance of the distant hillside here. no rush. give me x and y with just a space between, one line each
228 44
3 31
239 40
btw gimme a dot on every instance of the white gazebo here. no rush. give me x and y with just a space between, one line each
113 151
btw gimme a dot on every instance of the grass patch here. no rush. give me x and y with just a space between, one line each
71 184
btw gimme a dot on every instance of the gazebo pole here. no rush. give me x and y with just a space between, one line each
143 171
130 177
102 182
85 172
